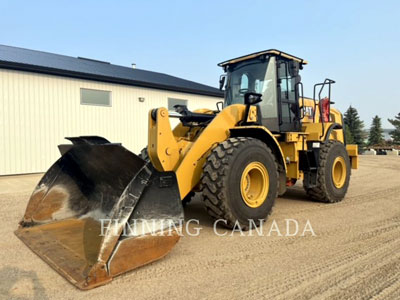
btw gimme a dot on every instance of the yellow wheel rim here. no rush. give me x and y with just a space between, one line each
339 172
254 184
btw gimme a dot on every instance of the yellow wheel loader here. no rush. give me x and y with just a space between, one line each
101 210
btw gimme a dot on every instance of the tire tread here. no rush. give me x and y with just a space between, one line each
320 192
215 170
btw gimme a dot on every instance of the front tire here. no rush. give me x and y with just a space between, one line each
333 176
240 182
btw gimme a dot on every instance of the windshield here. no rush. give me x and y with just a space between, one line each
257 76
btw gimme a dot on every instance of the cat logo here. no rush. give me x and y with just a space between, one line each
308 112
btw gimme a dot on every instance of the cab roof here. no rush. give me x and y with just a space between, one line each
256 54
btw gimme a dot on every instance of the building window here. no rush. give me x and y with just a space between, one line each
173 101
95 97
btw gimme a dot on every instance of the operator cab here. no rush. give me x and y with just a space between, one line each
275 76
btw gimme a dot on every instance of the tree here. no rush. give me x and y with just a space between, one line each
395 134
355 125
376 132
348 135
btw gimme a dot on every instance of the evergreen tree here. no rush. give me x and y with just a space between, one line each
355 126
349 137
376 132
395 134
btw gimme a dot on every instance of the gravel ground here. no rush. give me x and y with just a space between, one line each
354 253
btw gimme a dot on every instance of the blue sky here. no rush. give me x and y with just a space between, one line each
357 43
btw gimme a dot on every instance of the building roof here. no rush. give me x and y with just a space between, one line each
77 67
256 54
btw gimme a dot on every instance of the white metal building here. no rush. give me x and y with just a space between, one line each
45 97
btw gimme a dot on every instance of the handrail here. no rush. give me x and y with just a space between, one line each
328 82
302 98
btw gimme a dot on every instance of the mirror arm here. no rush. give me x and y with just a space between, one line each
222 81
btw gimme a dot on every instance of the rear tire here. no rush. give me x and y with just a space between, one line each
333 176
240 182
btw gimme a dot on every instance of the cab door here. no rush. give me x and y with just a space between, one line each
288 98
269 104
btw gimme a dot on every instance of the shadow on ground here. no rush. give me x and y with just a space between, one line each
195 209
296 193
10 288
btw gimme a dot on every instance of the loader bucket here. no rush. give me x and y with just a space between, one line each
99 211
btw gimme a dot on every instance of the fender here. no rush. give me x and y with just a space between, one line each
333 127
263 134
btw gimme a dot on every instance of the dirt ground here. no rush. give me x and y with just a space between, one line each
355 253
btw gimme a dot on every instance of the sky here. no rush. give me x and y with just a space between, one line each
356 43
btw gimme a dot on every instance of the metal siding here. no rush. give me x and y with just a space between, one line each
37 111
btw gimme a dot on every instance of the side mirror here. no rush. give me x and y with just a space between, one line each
222 81
220 103
252 98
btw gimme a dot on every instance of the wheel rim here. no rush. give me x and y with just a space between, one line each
339 171
254 184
